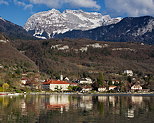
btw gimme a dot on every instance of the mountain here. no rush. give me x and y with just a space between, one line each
73 57
10 56
130 29
48 23
13 31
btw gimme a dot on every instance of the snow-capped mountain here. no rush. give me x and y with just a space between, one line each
48 23
129 29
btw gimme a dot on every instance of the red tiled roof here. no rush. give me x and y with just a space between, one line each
54 82
112 86
24 79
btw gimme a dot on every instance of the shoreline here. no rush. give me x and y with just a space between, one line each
96 94
78 94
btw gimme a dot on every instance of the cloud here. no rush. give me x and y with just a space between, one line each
4 2
49 3
130 7
59 3
26 6
83 3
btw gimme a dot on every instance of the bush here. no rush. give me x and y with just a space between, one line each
18 91
1 89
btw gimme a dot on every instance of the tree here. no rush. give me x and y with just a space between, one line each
100 79
74 88
129 79
5 86
95 86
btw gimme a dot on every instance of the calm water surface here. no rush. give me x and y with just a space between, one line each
76 109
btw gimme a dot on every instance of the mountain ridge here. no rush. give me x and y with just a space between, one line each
129 29
54 22
10 56
13 31
73 56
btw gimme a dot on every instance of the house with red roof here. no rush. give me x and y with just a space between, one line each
112 87
55 85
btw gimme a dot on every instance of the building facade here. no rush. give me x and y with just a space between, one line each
55 85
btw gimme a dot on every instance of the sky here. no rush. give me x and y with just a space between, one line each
18 11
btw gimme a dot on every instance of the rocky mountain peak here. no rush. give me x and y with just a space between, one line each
129 29
2 19
48 23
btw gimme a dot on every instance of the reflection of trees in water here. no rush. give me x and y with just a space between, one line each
124 105
76 108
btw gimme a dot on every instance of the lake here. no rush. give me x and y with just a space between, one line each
76 109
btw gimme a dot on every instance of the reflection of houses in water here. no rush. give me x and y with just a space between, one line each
130 113
23 107
86 98
86 102
137 99
58 102
112 100
102 98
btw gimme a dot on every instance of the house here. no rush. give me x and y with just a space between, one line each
24 81
112 87
66 79
1 66
33 84
55 85
115 82
128 72
136 87
102 89
85 81
86 89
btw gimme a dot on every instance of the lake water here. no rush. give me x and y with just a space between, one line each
76 109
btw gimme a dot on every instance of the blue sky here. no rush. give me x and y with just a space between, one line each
18 11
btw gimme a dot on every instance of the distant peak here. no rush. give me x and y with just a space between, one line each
54 11
73 11
2 19
49 23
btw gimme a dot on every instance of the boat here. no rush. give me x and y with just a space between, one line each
3 94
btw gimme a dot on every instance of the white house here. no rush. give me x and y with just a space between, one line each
1 66
86 89
136 87
102 89
85 81
23 81
66 79
128 72
55 85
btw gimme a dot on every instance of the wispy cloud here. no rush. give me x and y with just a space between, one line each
20 3
60 3
4 2
83 3
130 7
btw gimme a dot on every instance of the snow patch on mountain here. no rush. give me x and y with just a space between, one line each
54 22
148 28
2 19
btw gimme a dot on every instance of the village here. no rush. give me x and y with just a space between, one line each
124 82
89 85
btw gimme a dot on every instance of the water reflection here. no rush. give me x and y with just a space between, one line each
79 109
86 103
57 102
137 99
